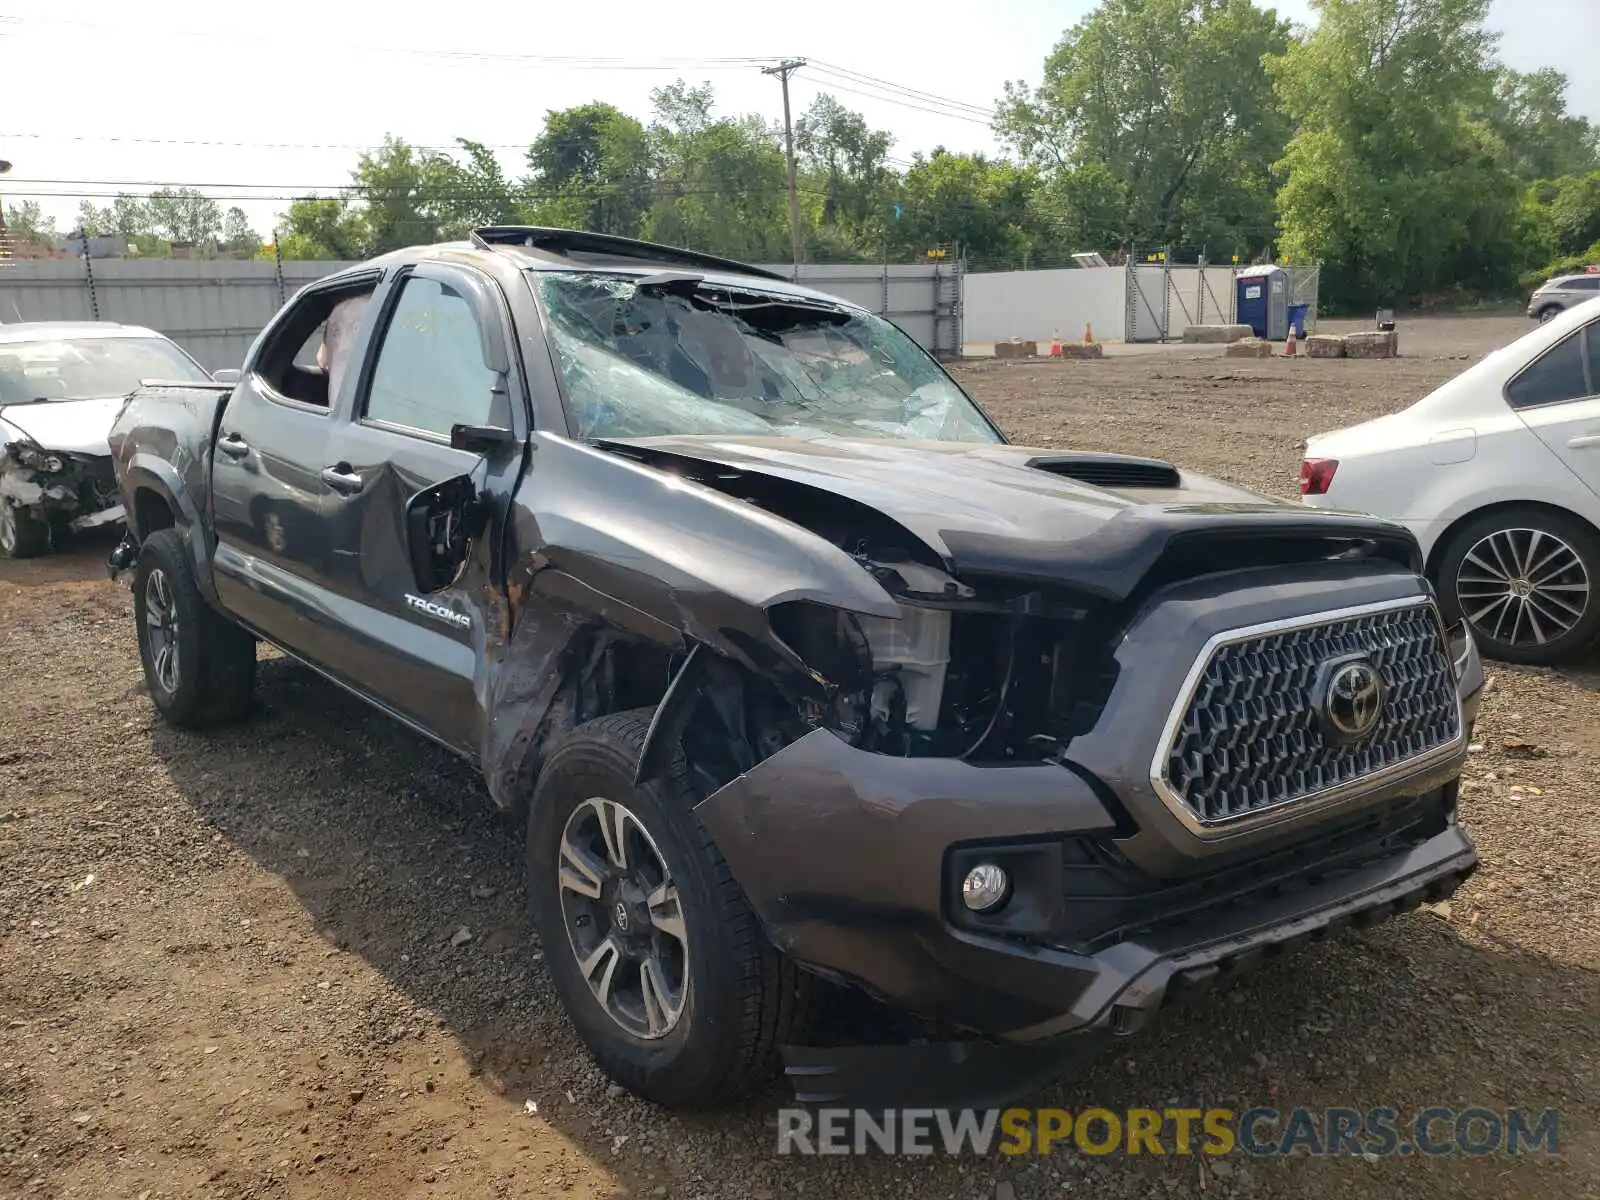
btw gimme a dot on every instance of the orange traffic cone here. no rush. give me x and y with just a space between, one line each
1289 346
1055 345
1088 334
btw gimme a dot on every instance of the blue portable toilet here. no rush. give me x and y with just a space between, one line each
1261 301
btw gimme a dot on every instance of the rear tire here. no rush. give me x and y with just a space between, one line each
1527 581
200 668
22 535
715 1037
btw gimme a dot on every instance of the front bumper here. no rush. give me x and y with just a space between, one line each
1116 991
853 861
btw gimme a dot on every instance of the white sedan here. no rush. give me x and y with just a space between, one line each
1497 472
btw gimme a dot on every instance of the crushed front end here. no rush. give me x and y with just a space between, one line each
1025 813
45 495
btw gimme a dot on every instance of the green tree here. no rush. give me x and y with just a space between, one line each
845 161
1168 102
237 235
1529 112
470 194
721 184
1567 212
397 187
183 215
590 168
324 227
126 214
981 204
1390 180
26 222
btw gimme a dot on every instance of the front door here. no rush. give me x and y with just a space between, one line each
440 362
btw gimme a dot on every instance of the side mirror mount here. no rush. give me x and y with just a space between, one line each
441 522
480 439
226 375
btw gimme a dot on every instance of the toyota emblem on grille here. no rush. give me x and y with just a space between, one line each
1351 699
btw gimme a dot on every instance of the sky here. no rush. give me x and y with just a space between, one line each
254 105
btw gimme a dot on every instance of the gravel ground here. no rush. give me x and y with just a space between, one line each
230 964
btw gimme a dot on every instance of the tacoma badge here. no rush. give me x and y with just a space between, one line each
439 612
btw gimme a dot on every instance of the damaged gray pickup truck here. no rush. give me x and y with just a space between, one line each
61 384
843 732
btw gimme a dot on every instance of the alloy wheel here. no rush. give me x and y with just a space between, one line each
1523 587
161 621
624 918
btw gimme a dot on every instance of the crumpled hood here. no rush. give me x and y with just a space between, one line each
68 426
1001 509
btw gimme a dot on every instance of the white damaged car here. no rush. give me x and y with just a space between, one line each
61 387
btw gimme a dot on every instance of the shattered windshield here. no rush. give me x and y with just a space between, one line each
87 368
676 355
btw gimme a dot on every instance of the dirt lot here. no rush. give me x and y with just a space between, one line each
227 964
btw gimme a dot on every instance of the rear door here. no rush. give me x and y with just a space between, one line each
1558 398
273 555
438 359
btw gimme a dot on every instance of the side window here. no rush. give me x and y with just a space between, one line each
1586 284
430 373
294 364
1556 376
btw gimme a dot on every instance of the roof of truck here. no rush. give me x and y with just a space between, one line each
543 249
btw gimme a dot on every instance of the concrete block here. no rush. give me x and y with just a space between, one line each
1081 350
1324 345
1372 343
1211 334
1016 348
1250 347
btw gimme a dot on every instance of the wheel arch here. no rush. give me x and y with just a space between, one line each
1441 544
161 501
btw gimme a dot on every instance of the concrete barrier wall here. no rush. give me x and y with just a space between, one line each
1043 304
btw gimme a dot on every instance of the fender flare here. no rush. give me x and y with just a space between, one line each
148 472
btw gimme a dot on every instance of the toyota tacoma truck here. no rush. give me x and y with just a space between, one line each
843 733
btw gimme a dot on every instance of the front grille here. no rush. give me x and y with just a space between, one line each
1250 738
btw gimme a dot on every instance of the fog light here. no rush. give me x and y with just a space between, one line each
985 887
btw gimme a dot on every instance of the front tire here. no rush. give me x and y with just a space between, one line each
22 535
200 668
652 947
1549 313
1527 580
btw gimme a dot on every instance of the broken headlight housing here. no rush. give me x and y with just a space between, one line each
35 458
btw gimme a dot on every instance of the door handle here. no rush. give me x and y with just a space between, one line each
1586 441
341 478
234 446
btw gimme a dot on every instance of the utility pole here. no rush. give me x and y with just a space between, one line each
783 70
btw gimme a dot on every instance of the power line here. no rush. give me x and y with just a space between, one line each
889 85
938 112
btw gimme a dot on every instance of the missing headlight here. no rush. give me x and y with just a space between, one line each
37 459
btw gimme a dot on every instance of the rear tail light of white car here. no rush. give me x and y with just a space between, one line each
1316 474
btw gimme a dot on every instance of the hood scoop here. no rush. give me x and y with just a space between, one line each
1110 470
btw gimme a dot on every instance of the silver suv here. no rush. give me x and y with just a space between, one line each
1555 297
